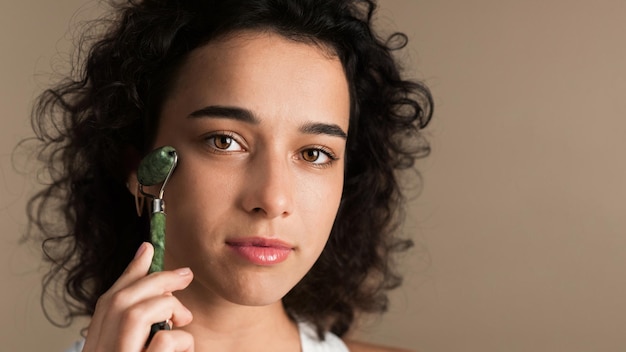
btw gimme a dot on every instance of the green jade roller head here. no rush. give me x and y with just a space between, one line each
155 168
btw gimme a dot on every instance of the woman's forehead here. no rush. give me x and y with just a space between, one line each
266 71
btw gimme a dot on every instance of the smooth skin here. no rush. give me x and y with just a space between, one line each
259 122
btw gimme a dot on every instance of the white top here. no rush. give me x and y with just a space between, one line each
308 341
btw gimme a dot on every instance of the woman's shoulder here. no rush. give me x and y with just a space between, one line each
356 346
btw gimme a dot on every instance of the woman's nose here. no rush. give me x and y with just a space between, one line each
269 187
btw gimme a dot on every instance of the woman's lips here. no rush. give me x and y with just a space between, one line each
261 251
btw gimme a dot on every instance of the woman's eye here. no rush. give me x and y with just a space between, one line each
318 156
224 142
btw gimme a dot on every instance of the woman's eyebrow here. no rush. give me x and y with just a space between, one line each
323 128
245 115
228 112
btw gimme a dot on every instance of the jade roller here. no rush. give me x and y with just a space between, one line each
156 168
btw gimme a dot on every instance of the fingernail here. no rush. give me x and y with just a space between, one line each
141 249
183 271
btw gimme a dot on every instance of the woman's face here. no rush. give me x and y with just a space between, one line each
259 123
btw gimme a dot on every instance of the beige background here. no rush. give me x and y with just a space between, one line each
520 227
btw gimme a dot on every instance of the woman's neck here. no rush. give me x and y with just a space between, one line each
219 325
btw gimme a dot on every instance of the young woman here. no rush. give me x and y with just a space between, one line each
290 120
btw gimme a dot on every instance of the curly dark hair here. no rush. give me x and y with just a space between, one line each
109 106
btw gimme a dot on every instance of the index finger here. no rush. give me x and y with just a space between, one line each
136 269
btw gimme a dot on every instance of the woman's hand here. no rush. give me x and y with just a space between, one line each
126 311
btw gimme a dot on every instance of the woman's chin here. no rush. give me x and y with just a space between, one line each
253 292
